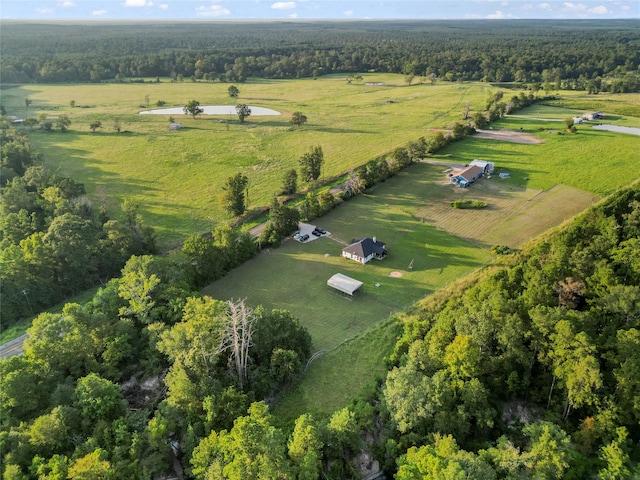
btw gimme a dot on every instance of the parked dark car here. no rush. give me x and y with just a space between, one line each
316 233
304 238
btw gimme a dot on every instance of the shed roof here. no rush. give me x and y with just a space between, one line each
344 284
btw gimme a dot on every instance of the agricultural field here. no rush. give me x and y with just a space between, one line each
176 176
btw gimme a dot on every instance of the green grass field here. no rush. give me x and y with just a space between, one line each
294 276
176 177
591 160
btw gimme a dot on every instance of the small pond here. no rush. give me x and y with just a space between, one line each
213 110
618 129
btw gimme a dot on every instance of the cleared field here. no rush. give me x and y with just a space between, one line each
176 177
336 378
513 216
294 276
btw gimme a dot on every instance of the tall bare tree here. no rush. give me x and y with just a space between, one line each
237 332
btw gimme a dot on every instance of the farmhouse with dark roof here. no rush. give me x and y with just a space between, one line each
364 250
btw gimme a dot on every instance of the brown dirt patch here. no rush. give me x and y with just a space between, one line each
514 214
395 274
512 136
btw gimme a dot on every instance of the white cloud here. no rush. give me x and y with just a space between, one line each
138 3
599 10
498 15
67 4
212 11
578 7
164 6
98 13
293 15
544 6
283 5
348 13
527 6
504 4
44 11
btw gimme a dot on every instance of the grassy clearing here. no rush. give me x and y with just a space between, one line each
176 177
595 161
294 276
336 378
618 106
513 214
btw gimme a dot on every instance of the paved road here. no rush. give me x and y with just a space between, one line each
12 348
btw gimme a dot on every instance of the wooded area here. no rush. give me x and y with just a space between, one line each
578 55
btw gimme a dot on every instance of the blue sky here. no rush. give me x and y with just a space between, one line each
315 9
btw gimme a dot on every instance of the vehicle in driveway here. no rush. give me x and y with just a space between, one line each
304 238
316 233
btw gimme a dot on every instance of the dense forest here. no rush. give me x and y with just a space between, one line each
580 55
530 373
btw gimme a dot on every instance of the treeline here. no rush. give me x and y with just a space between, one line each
53 242
532 373
588 55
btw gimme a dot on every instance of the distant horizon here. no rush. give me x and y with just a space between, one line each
314 10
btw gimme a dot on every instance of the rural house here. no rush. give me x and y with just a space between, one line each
466 177
364 250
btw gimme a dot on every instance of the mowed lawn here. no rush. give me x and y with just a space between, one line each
294 276
176 177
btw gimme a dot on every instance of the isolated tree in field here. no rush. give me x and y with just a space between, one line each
193 108
146 99
27 102
243 111
117 126
63 123
95 125
290 182
233 91
298 118
568 122
72 104
465 113
42 118
234 195
311 164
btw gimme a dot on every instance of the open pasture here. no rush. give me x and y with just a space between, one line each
624 108
594 161
294 276
176 176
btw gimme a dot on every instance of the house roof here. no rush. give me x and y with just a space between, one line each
344 284
365 247
470 172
